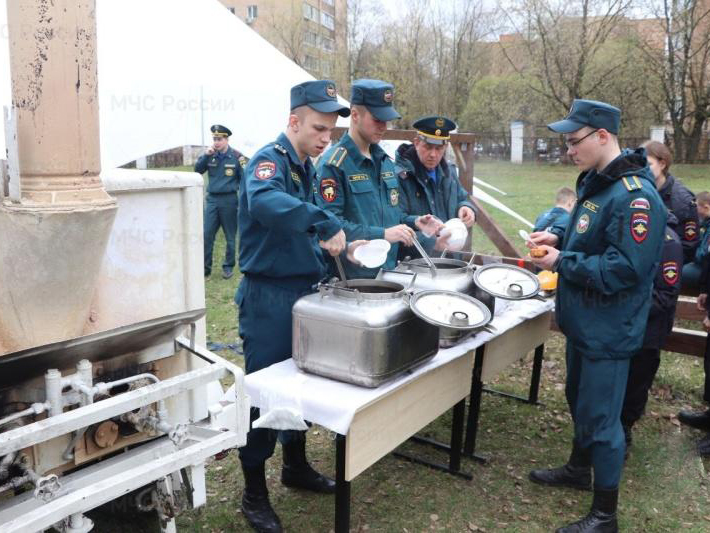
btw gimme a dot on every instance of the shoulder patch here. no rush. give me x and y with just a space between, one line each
639 226
640 203
265 170
280 148
328 190
632 183
338 156
690 230
243 162
670 272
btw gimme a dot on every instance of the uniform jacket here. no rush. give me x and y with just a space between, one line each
279 223
703 249
681 202
609 254
666 288
555 216
225 171
419 196
364 194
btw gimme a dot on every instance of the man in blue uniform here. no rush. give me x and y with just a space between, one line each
282 232
644 365
225 167
606 261
558 215
358 182
428 184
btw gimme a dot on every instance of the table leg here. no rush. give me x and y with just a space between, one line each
534 381
342 488
474 408
456 436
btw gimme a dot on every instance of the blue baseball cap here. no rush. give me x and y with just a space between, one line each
376 96
320 95
598 115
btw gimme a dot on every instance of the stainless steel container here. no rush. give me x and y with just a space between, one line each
364 333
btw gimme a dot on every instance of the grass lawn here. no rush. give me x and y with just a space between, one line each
665 483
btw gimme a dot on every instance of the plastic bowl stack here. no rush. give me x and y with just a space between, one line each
458 232
372 254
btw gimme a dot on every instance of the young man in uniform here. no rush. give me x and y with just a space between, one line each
428 184
558 215
225 167
282 232
358 182
606 259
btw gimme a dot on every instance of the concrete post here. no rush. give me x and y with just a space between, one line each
55 229
516 142
658 133
142 163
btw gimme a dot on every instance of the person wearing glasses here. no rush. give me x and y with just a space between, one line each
606 259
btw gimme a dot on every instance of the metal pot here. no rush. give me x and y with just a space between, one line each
365 333
508 282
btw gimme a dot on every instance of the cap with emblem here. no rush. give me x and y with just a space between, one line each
590 113
434 129
320 95
376 96
220 131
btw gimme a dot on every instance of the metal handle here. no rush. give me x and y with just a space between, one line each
426 257
400 272
341 270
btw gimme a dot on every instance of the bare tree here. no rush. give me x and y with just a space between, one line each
680 62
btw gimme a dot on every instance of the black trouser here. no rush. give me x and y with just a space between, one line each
644 366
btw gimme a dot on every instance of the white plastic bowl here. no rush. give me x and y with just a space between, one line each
373 254
459 233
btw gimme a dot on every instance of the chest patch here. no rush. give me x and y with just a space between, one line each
639 226
670 272
640 203
358 177
583 223
394 196
265 170
690 230
295 177
229 172
328 190
590 205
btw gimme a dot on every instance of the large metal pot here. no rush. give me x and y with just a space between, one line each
366 332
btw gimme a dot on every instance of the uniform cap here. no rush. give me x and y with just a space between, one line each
320 95
377 96
598 115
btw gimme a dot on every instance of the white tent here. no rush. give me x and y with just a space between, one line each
168 69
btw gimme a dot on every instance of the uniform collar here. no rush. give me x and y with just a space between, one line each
665 189
291 152
354 152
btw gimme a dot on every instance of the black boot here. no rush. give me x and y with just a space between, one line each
704 446
602 517
576 474
297 473
695 420
255 502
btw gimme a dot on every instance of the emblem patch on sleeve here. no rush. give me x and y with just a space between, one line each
265 170
670 272
690 230
394 196
640 203
639 226
328 190
583 223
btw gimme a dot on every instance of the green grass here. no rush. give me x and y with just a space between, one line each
665 484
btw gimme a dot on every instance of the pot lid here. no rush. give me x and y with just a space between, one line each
450 309
507 281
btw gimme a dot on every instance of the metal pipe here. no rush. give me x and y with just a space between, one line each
5 465
35 409
53 390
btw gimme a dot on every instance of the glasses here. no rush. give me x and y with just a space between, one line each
570 144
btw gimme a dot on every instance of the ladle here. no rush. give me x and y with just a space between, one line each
341 270
426 257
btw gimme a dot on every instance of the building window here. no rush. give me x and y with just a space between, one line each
310 63
327 44
327 20
310 12
310 38
252 12
325 68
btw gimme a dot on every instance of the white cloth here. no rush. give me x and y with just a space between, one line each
332 404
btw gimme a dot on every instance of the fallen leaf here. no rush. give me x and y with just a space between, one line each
433 517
